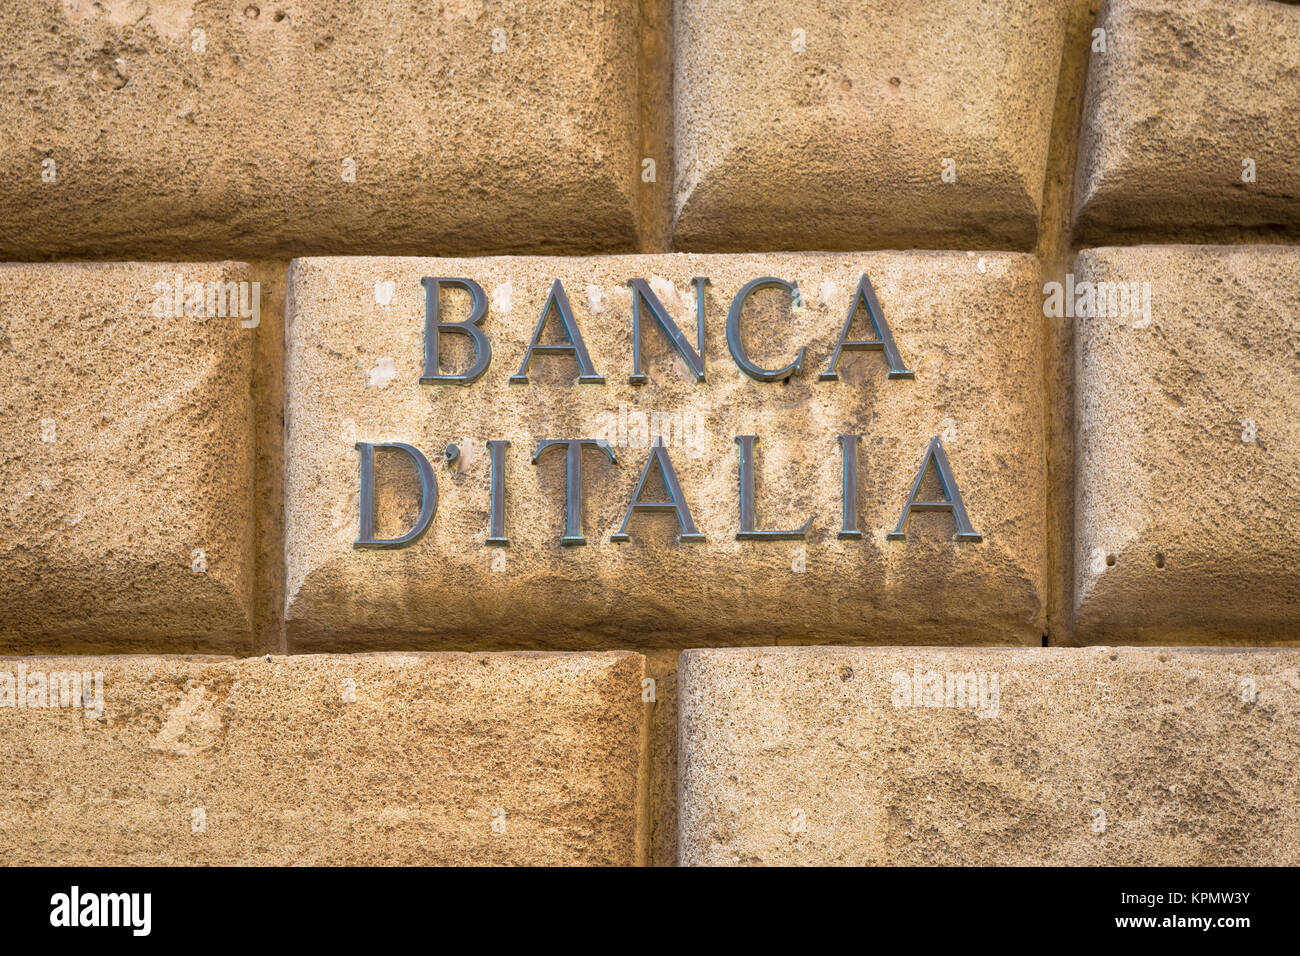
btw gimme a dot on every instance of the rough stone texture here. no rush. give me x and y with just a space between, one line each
286 771
842 145
1057 256
1186 90
1188 449
655 33
966 325
268 503
1094 756
661 666
162 149
128 446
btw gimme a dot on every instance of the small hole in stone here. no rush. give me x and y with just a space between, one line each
1110 560
895 81
846 673
1160 559
279 16
252 12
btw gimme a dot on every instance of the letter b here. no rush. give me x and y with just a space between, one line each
433 326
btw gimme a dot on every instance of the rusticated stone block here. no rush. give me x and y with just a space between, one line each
443 759
965 330
201 130
863 126
127 457
1187 465
1190 122
1044 756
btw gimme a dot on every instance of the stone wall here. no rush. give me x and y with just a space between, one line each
650 433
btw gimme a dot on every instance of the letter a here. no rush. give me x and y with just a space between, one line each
951 497
884 339
573 343
676 500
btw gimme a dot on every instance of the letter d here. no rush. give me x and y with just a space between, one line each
428 497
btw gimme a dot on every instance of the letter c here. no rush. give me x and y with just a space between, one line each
733 332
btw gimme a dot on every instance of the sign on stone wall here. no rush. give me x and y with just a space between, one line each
664 449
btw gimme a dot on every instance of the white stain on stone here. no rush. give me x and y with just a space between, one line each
469 452
462 9
392 818
828 291
503 297
194 725
167 17
798 301
666 292
384 291
382 375
595 299
344 519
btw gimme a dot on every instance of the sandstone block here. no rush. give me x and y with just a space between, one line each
196 130
1187 495
127 457
443 759
843 126
966 376
1006 756
1190 125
